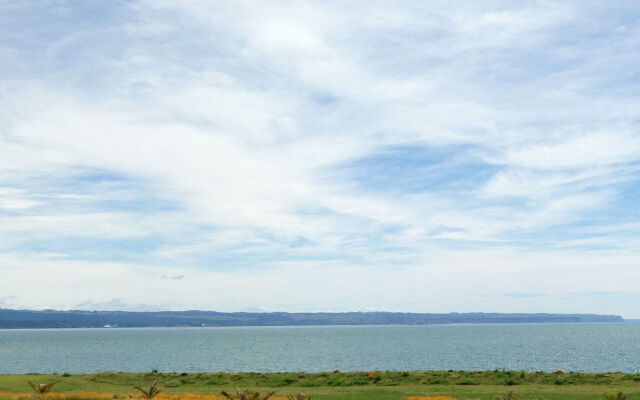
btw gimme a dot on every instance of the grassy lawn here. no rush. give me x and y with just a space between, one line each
357 385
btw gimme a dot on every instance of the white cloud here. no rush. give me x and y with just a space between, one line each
487 275
588 150
15 199
229 133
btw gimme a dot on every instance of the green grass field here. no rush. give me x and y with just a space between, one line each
353 385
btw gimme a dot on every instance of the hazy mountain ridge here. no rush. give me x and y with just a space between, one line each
15 319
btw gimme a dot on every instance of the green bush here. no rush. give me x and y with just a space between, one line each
615 396
285 381
438 381
311 384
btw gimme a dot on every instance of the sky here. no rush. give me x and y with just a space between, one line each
416 156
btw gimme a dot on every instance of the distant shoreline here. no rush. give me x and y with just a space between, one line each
45 319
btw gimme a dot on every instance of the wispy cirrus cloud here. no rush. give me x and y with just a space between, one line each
272 143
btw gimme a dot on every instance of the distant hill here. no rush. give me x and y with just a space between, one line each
13 319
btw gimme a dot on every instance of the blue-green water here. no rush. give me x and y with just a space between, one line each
531 347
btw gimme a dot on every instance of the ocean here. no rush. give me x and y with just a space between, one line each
597 347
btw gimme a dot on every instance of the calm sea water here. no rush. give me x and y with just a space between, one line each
531 347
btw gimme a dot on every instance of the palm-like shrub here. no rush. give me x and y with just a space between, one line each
247 395
509 396
299 396
615 396
41 388
151 392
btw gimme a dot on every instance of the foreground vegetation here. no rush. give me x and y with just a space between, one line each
337 385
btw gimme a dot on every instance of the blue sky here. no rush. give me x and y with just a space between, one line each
320 156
